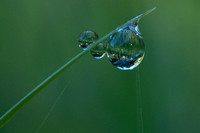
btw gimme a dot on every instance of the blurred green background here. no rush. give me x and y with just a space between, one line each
38 36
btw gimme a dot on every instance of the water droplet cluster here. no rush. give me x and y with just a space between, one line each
125 49
87 38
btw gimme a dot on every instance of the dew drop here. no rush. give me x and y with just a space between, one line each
87 38
98 51
125 48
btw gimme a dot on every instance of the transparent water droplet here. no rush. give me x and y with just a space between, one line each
98 51
125 48
88 37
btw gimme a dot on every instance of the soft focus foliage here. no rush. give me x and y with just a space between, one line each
38 36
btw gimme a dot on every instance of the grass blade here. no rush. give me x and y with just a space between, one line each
13 110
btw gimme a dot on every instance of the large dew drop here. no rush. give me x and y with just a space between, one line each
87 38
125 48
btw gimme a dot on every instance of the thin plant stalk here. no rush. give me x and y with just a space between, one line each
13 110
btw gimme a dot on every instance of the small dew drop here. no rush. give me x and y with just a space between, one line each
87 38
98 51
125 48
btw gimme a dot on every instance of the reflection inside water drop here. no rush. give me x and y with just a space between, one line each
125 48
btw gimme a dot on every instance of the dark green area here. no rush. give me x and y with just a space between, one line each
37 37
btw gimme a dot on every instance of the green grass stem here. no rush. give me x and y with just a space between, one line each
13 110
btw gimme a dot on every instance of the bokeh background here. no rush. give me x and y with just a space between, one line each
38 36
